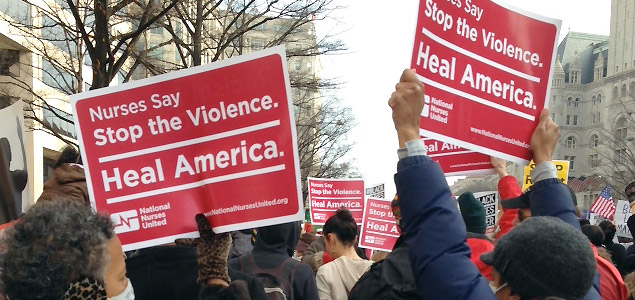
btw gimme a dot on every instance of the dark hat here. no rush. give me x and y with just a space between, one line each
544 256
630 191
522 201
473 213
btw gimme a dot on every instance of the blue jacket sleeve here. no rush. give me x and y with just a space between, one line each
435 234
551 198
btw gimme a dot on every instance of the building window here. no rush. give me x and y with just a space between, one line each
598 118
593 100
570 143
553 117
256 45
298 65
593 119
577 102
615 94
594 161
156 51
554 99
620 156
58 121
575 120
19 10
623 90
620 130
571 160
48 168
9 62
599 98
569 101
568 119
156 30
632 88
595 141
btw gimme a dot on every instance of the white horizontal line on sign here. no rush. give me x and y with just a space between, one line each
451 153
319 209
456 48
476 99
382 220
196 184
380 233
190 142
334 198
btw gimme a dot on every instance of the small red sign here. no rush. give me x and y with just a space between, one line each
327 195
217 139
487 74
457 161
379 228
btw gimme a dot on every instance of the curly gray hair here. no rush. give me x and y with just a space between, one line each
52 245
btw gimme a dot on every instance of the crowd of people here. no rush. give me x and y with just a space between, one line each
542 249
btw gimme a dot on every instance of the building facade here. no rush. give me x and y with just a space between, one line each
592 99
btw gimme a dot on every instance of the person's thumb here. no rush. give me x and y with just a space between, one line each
409 75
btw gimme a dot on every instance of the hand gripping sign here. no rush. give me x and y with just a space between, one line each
487 74
379 228
217 139
326 196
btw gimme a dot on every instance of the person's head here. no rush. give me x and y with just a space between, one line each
594 234
280 238
56 244
69 155
396 212
473 213
629 191
340 233
541 257
609 231
524 211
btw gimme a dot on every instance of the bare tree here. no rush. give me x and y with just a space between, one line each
614 149
68 35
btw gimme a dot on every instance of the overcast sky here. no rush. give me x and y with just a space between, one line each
380 40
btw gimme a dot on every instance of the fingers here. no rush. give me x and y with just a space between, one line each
186 242
409 75
203 225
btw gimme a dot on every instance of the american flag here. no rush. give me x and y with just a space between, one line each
604 205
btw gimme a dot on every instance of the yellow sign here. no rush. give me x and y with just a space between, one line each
562 169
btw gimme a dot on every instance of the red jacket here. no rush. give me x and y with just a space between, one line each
507 188
479 244
611 284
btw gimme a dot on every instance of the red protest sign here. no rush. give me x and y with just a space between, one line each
487 74
217 139
455 161
379 228
327 195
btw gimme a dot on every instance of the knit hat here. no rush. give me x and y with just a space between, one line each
473 213
544 256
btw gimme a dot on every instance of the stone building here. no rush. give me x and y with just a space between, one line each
592 100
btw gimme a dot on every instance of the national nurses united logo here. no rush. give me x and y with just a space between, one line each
125 221
436 109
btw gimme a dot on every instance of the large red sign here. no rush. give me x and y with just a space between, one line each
487 74
457 161
326 196
379 228
217 139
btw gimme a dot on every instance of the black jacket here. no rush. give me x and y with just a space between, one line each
273 246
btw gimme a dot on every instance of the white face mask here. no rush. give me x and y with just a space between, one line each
127 294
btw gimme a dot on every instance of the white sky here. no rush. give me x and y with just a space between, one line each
380 36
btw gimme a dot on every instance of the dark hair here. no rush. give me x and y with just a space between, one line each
52 245
609 231
584 222
594 233
343 225
69 155
308 237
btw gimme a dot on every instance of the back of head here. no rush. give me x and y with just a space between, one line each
280 238
473 213
343 225
52 245
594 234
69 155
609 231
544 256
